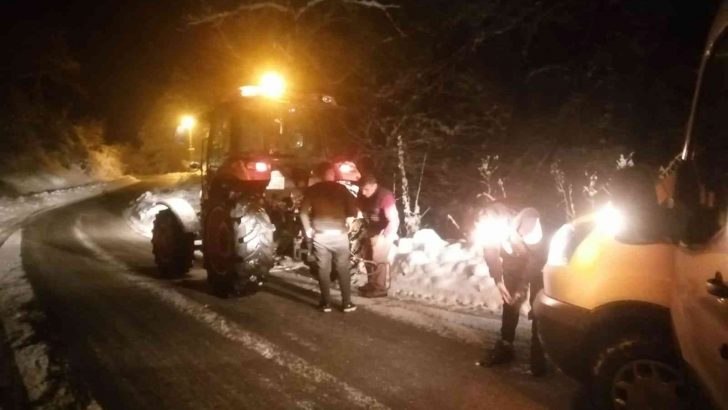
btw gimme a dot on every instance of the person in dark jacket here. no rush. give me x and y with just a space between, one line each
514 251
379 210
326 210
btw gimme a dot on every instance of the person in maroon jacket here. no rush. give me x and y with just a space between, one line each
514 252
378 208
326 211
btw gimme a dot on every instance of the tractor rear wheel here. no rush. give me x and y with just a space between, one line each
173 248
255 248
238 247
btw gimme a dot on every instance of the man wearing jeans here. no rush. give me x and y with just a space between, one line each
326 210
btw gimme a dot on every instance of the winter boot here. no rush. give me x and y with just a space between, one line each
501 353
374 293
538 364
365 288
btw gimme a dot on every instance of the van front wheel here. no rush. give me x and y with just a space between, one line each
638 372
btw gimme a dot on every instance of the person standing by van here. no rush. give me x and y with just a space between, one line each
515 257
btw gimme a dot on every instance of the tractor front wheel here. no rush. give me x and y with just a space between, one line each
173 248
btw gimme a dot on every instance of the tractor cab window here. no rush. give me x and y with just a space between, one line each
267 132
218 140
250 132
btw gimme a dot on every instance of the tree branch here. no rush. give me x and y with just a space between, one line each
218 17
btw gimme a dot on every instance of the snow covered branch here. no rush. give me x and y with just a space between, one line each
565 189
245 7
223 15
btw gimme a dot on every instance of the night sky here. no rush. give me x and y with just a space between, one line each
128 50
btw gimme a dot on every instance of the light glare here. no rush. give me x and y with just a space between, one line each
249 91
557 248
187 122
491 231
610 220
272 85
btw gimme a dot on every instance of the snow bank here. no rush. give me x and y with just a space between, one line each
14 209
446 274
47 174
141 212
24 184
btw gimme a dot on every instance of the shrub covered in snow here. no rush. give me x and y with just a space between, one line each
81 157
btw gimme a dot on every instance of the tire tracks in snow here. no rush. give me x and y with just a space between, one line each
228 329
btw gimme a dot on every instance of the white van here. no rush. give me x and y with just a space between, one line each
635 299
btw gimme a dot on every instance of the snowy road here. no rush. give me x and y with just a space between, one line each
140 342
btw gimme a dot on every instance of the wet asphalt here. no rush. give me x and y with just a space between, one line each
139 341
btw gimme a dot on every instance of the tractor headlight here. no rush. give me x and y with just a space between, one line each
610 220
491 231
560 246
347 171
272 85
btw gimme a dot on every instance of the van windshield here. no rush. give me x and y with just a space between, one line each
710 130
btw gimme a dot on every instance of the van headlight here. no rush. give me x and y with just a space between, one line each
560 246
610 220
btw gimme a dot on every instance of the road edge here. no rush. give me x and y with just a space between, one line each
32 372
45 376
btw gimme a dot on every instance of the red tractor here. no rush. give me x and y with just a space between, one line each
258 156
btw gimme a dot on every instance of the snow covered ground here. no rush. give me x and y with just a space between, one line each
424 267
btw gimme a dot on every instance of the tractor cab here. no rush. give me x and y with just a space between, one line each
258 144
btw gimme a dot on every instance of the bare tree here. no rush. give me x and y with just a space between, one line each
565 190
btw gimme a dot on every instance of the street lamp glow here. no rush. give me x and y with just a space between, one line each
272 85
187 122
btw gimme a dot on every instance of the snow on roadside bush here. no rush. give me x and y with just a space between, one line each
15 209
80 158
449 274
141 212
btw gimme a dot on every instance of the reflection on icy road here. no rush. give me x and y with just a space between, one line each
141 342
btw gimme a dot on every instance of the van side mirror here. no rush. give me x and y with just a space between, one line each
194 166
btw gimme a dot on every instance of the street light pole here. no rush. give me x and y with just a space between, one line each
190 148
187 123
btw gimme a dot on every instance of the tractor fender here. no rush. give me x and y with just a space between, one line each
184 212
